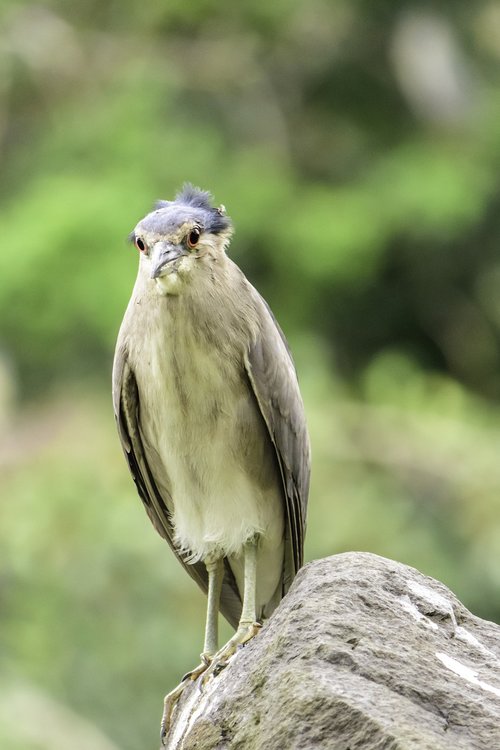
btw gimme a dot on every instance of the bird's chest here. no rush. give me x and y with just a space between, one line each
189 392
186 393
205 441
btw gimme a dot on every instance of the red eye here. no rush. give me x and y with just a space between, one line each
140 244
193 237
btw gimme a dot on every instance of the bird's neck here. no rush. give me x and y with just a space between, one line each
211 308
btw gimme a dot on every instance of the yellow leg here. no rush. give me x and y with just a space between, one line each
248 626
215 570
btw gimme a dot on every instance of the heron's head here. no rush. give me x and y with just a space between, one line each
181 238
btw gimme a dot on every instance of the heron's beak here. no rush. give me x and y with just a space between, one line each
163 254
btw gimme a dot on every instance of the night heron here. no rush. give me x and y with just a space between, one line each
211 420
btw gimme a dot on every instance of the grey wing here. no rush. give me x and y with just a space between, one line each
127 412
273 378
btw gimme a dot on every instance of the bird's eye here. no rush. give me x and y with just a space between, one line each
193 237
140 244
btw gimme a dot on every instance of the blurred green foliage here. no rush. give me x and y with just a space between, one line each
356 146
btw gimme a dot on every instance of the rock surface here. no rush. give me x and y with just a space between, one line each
363 653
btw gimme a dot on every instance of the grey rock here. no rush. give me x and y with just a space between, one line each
363 652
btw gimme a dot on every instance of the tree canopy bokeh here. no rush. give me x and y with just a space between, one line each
356 146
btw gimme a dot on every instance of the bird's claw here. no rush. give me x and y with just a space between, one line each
169 703
193 675
171 699
210 666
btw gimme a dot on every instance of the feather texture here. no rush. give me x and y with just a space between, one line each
210 416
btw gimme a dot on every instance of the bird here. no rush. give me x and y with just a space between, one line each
211 421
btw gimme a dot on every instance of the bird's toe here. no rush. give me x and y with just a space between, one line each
193 675
172 698
221 659
169 703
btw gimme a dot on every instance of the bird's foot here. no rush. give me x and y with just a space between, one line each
245 633
171 699
206 660
210 666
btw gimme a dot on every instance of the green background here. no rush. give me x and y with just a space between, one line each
356 145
